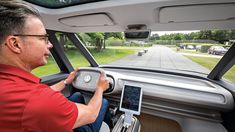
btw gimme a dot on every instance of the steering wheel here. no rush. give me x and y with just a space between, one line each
87 78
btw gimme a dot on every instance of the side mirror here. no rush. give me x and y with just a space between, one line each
137 34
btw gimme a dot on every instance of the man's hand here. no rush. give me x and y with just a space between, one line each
71 76
103 83
61 85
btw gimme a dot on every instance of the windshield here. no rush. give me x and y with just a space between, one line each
179 51
182 51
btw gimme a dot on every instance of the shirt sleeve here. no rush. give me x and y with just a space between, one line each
48 111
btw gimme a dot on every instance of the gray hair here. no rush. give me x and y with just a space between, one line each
13 14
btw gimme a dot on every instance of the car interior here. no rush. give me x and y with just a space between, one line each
145 99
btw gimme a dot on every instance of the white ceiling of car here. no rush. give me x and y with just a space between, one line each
157 15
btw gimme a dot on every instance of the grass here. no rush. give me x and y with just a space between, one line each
210 63
126 47
111 54
48 69
78 60
230 75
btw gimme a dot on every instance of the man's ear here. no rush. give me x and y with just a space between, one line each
14 44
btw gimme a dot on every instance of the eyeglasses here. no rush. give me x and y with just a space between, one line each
45 37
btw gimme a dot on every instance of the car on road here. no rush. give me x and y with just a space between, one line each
190 47
198 47
176 96
217 50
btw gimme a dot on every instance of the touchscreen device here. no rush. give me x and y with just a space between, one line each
131 99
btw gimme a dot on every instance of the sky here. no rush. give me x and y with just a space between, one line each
160 33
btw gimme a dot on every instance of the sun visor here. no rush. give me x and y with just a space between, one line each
197 13
88 20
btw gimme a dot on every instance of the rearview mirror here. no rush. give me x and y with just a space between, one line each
137 34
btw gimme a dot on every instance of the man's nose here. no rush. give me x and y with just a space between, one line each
49 45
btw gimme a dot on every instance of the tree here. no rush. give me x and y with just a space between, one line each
97 38
188 36
232 34
194 35
154 37
217 35
84 38
63 40
220 36
205 35
107 35
178 36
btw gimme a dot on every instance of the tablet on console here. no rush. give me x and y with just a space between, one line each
130 103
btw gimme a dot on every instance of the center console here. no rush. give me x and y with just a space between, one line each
134 127
130 103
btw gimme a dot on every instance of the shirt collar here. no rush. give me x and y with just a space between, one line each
7 69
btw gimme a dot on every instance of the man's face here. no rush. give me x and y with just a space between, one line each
35 49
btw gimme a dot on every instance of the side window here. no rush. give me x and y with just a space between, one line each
49 69
72 52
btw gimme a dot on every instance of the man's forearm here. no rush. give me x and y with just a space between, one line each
96 101
61 85
58 86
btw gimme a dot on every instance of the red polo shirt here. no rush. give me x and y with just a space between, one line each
26 105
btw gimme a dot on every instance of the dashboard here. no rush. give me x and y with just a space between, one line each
167 93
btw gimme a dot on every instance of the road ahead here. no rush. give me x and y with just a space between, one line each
161 57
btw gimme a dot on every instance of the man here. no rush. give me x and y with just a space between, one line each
26 104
